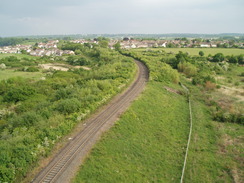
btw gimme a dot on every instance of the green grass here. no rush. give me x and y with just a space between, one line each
146 145
231 150
8 73
195 51
210 159
203 164
19 56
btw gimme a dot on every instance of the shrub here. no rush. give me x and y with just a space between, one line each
219 57
237 83
27 119
18 94
202 78
210 86
187 68
6 174
2 66
201 53
68 106
63 93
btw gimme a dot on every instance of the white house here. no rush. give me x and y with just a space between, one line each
205 45
164 44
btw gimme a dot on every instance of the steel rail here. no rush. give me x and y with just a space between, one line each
94 125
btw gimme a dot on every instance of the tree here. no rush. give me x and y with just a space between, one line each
117 46
181 57
170 45
35 46
240 59
103 43
219 57
201 53
233 59
24 52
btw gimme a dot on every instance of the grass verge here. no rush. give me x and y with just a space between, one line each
146 145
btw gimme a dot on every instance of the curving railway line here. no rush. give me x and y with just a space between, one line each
64 165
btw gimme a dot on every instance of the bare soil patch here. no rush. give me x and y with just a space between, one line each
232 91
61 67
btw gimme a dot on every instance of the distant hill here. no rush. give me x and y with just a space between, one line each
155 36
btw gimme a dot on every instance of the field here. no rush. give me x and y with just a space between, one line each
6 74
195 51
146 145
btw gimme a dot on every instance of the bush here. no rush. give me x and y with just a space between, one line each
237 83
219 57
187 68
63 93
2 66
18 94
6 174
202 78
201 53
27 119
68 106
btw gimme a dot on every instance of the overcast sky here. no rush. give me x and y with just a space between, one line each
47 17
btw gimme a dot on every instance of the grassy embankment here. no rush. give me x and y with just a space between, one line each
147 144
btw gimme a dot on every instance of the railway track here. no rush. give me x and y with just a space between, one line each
63 167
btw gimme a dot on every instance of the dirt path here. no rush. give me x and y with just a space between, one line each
65 164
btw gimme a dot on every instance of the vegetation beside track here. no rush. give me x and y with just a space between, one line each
147 144
35 113
129 151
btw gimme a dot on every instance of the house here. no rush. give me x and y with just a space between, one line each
142 45
37 52
133 46
205 45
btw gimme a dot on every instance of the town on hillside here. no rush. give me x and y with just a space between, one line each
50 48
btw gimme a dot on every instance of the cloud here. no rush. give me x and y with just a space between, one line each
30 17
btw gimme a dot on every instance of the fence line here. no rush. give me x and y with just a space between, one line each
189 137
